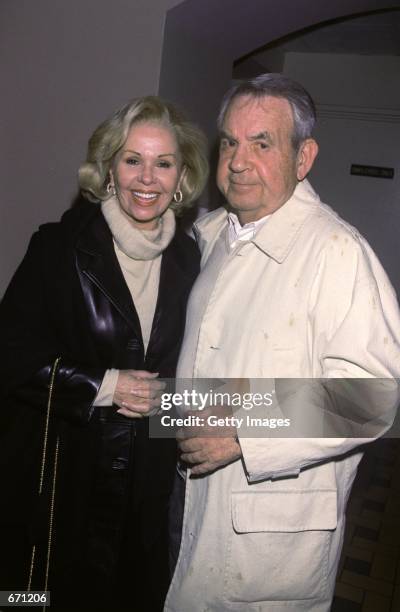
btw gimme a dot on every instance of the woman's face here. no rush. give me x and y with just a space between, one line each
147 173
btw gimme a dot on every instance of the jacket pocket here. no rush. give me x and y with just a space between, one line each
278 547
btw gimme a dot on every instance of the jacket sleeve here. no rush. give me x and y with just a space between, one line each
354 327
32 339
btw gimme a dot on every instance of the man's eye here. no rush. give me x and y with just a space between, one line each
262 145
226 143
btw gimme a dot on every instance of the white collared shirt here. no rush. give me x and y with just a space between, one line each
243 232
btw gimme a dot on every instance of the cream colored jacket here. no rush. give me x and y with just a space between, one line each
305 298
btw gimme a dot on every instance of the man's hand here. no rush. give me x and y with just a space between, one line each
138 393
205 448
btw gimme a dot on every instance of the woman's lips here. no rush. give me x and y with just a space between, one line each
145 197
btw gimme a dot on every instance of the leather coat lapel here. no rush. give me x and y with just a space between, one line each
169 291
97 261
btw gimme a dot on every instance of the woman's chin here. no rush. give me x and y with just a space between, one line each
143 217
144 221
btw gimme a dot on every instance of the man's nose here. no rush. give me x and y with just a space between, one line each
239 161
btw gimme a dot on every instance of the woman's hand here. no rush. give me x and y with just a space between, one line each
138 393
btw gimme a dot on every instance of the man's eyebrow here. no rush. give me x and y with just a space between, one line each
261 136
226 135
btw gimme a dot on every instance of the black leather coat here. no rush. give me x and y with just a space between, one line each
69 299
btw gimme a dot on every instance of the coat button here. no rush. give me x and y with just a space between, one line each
119 463
133 344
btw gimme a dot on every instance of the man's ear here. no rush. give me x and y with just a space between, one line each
305 157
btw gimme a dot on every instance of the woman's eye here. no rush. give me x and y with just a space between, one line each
164 164
132 161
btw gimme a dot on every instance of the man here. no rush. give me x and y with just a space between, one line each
287 290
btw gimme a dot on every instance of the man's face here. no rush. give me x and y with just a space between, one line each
257 170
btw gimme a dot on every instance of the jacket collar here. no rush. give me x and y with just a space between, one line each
96 259
277 237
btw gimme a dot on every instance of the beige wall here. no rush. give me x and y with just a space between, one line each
203 38
358 105
65 66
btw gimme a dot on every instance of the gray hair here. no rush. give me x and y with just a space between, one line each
277 86
110 136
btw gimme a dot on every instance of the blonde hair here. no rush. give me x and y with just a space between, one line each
110 136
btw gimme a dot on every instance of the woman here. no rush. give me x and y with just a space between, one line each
104 291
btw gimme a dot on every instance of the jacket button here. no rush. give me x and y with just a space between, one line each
119 463
133 344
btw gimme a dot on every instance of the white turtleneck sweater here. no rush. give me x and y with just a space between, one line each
139 254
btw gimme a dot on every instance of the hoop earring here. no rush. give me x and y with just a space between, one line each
178 196
110 189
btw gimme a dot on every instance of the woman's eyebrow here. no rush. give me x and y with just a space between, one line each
137 153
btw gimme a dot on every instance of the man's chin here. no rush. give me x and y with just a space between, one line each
242 207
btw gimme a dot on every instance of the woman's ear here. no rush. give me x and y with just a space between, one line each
305 157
